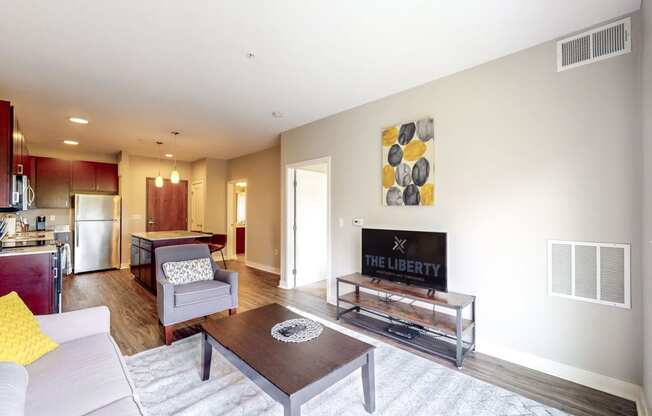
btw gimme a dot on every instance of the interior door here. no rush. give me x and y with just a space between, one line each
167 207
311 210
197 206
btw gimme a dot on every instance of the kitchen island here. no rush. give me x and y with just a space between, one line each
144 244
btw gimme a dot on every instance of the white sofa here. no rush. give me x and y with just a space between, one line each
85 375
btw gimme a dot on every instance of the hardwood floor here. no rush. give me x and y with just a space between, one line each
134 325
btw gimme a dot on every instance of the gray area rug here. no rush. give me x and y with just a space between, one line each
168 382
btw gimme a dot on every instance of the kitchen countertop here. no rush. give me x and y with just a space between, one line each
169 235
51 248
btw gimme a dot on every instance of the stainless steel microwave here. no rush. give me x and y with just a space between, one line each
22 194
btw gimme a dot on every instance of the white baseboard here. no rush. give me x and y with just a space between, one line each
624 389
125 266
284 285
263 267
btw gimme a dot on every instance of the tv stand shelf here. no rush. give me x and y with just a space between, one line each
440 333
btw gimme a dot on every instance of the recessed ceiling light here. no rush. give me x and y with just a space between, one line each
250 55
71 142
78 120
277 114
169 155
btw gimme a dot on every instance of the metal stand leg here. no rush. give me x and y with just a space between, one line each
206 353
458 333
292 408
337 299
473 320
369 383
223 260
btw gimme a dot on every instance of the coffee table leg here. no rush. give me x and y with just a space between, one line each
292 408
369 383
206 353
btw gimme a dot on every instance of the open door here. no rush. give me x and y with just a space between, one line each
310 225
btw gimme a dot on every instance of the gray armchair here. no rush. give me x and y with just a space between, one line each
181 303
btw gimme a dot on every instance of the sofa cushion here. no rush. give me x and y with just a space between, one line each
13 386
78 377
201 291
21 339
187 271
122 407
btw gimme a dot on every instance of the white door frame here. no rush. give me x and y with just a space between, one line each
287 280
231 217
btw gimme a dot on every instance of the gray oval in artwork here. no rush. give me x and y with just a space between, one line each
420 171
403 176
394 196
411 195
406 133
425 129
395 155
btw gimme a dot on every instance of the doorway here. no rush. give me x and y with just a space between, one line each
236 213
167 206
308 226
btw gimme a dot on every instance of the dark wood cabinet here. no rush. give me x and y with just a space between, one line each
240 240
32 276
52 183
94 177
6 141
19 148
83 176
106 177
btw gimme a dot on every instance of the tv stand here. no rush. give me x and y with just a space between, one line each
447 335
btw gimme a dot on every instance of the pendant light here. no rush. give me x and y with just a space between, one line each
174 176
158 182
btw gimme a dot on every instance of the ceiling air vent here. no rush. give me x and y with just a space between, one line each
595 45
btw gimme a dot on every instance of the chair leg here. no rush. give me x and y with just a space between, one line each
223 260
233 311
168 333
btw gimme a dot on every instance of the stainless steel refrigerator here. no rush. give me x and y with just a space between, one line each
97 232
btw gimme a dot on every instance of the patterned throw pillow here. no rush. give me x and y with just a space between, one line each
188 271
21 339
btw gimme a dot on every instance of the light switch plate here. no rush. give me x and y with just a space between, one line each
358 222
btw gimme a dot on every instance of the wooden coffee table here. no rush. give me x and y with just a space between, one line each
291 373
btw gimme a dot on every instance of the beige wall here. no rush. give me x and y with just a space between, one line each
647 194
212 173
134 170
523 154
262 170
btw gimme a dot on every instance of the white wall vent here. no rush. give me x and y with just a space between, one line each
591 272
595 45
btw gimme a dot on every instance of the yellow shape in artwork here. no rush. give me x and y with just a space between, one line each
427 194
414 150
389 136
388 176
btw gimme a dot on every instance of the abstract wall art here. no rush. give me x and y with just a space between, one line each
408 176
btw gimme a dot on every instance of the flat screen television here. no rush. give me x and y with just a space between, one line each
411 257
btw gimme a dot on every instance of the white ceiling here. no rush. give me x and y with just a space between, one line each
139 69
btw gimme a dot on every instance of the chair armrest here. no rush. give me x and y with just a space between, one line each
67 326
13 389
231 278
164 299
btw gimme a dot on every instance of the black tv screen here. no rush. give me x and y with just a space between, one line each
411 257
